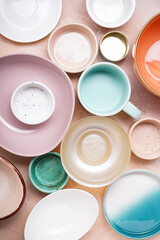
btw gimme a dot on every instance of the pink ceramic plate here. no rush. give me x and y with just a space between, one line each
23 139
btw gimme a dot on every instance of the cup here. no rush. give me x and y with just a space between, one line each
104 89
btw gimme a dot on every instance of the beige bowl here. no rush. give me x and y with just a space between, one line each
95 151
73 47
12 189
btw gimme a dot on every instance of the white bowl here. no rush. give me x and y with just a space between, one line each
32 103
109 13
64 215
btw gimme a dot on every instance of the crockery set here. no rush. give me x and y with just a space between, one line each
95 151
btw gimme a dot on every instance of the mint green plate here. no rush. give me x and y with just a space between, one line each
47 173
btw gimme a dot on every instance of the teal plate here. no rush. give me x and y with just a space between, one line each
47 173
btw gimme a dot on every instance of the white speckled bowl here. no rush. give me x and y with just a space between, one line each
32 103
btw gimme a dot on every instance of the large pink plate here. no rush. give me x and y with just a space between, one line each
23 139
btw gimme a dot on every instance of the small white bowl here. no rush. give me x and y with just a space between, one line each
32 103
110 14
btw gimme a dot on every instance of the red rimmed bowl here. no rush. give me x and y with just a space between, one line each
146 55
12 189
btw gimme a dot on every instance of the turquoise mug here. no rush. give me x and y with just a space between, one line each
104 89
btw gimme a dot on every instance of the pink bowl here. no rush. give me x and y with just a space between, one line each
33 140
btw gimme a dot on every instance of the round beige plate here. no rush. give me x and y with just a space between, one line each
95 151
73 47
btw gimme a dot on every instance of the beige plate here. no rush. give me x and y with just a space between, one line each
12 189
95 151
144 137
73 47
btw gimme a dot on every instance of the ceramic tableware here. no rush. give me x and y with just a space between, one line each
28 20
95 151
73 47
114 46
109 13
67 214
12 189
33 140
104 89
146 57
47 174
32 103
144 137
131 204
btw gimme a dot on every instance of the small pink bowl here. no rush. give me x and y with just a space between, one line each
12 189
144 137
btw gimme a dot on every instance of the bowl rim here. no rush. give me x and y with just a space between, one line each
75 178
38 187
100 23
22 182
135 55
35 84
83 26
93 67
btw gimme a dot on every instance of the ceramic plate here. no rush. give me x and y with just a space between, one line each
28 20
73 47
12 189
110 14
95 151
64 215
131 204
23 139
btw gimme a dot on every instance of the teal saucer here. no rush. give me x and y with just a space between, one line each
47 174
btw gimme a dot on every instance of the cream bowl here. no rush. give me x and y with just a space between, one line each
95 151
32 103
12 189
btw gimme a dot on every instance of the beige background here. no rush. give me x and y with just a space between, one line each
74 11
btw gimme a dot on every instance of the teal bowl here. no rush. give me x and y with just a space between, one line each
47 174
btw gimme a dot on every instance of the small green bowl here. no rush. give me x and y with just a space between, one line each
47 173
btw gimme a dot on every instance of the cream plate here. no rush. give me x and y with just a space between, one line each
64 215
95 151
28 20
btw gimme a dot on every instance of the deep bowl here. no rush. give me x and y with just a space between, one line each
146 57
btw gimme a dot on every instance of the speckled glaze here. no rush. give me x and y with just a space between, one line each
144 137
47 174
131 204
32 103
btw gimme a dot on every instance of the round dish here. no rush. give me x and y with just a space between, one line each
28 20
144 137
95 151
131 204
32 103
110 14
47 174
114 46
12 189
104 89
146 60
33 140
73 47
66 214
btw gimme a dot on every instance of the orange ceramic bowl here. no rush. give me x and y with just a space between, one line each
146 55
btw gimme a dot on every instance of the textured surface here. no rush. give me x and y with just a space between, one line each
75 11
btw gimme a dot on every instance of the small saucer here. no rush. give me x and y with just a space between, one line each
46 173
144 137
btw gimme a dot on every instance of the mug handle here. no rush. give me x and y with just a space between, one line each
132 110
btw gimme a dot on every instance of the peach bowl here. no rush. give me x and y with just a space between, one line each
146 57
12 189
